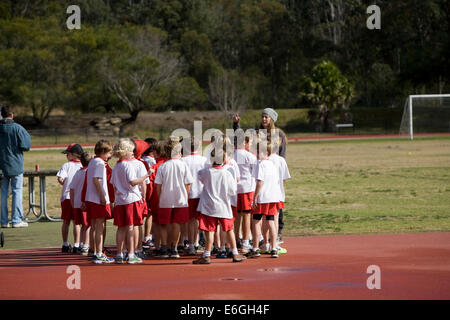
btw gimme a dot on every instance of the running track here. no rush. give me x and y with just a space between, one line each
290 139
413 266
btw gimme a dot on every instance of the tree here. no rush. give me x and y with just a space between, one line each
225 92
140 70
328 90
36 66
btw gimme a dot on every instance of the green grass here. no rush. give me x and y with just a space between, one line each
368 187
337 187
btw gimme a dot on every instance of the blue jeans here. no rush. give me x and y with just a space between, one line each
17 208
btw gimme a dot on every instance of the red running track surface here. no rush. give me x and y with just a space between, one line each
413 266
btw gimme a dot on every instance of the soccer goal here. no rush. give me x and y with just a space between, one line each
426 113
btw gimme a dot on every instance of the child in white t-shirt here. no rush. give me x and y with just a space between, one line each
97 198
173 180
281 165
141 169
246 162
266 199
81 218
231 166
129 201
214 207
65 175
195 162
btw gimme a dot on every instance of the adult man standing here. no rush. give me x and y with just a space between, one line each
14 139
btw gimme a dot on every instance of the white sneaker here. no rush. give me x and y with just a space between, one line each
21 224
6 225
246 248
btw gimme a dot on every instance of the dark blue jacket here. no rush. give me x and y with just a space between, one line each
14 139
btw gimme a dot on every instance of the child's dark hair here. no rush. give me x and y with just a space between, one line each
158 149
102 146
152 143
85 158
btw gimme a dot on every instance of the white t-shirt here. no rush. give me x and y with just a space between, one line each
77 186
141 171
195 163
270 192
66 173
96 169
122 173
218 188
233 168
173 175
283 171
150 160
246 163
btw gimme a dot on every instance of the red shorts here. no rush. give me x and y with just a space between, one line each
173 215
280 205
80 217
154 204
244 201
97 211
235 211
267 209
66 210
144 209
193 204
208 223
128 214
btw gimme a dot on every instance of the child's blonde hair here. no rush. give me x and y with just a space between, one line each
172 147
123 148
274 143
263 147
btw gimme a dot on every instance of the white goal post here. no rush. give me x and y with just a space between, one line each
427 104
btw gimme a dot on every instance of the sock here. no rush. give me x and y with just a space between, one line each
76 245
131 256
191 246
246 242
206 254
66 244
222 248
235 252
120 255
267 245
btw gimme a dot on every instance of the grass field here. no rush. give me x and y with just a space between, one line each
337 187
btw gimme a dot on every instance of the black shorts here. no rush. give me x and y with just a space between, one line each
259 217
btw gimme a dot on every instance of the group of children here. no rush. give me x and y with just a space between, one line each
164 196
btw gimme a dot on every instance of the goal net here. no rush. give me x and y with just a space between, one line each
425 114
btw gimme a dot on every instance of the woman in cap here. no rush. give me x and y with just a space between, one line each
268 118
